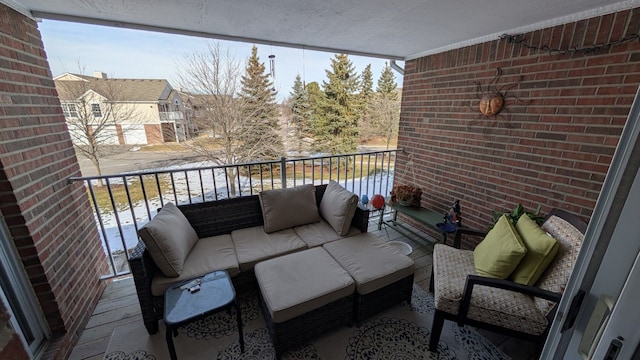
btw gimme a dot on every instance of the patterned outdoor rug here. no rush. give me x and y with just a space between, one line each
401 332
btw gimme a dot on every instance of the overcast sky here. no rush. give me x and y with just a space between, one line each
125 53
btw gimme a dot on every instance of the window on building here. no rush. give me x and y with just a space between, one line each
69 110
177 105
95 109
164 107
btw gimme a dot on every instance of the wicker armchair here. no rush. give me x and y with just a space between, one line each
502 305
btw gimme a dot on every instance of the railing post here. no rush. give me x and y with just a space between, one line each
283 172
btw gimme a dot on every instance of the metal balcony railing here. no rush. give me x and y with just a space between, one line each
171 115
123 203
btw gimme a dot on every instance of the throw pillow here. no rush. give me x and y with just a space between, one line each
337 207
169 238
541 250
500 252
286 208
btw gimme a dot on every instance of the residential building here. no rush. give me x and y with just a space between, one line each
127 111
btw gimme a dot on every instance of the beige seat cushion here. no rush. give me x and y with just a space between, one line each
338 206
320 233
557 275
169 238
490 305
371 262
297 283
207 255
253 245
286 208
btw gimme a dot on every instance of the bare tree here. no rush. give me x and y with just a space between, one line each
384 117
213 79
95 113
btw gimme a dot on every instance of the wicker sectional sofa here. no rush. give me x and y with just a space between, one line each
232 235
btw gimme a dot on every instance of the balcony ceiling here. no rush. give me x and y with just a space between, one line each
397 29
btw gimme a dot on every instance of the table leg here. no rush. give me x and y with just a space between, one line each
380 219
172 349
239 317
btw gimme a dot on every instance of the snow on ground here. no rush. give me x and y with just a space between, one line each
202 185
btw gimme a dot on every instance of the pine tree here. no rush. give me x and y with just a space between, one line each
262 139
300 113
367 85
366 94
316 99
387 86
337 127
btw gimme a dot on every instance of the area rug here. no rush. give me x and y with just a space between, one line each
401 332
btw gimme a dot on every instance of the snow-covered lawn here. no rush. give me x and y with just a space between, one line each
197 186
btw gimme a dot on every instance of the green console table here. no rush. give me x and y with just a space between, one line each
431 218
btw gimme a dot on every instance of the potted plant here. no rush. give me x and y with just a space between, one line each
406 195
515 214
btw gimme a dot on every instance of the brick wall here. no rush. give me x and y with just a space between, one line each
553 150
49 219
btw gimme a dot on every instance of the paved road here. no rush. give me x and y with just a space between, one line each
123 160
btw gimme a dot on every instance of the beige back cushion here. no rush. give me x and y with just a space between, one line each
557 275
337 207
169 238
286 208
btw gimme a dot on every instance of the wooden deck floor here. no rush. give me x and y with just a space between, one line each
119 305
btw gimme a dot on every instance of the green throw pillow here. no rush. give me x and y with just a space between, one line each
500 252
541 250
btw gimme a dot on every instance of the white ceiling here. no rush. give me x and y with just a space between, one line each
398 29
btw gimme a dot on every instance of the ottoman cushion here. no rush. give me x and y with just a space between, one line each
297 283
371 262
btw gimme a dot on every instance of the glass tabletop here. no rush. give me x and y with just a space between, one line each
216 291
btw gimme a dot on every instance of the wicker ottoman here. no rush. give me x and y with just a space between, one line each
383 276
303 295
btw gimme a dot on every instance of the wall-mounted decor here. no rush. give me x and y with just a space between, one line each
493 98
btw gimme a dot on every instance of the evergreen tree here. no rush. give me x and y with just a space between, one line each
337 127
387 86
263 141
316 99
367 86
300 113
366 94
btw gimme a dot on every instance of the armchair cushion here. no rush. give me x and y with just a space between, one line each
500 307
286 208
541 250
338 206
169 238
500 252
570 241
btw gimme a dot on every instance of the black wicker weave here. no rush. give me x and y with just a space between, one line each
383 298
210 219
304 328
